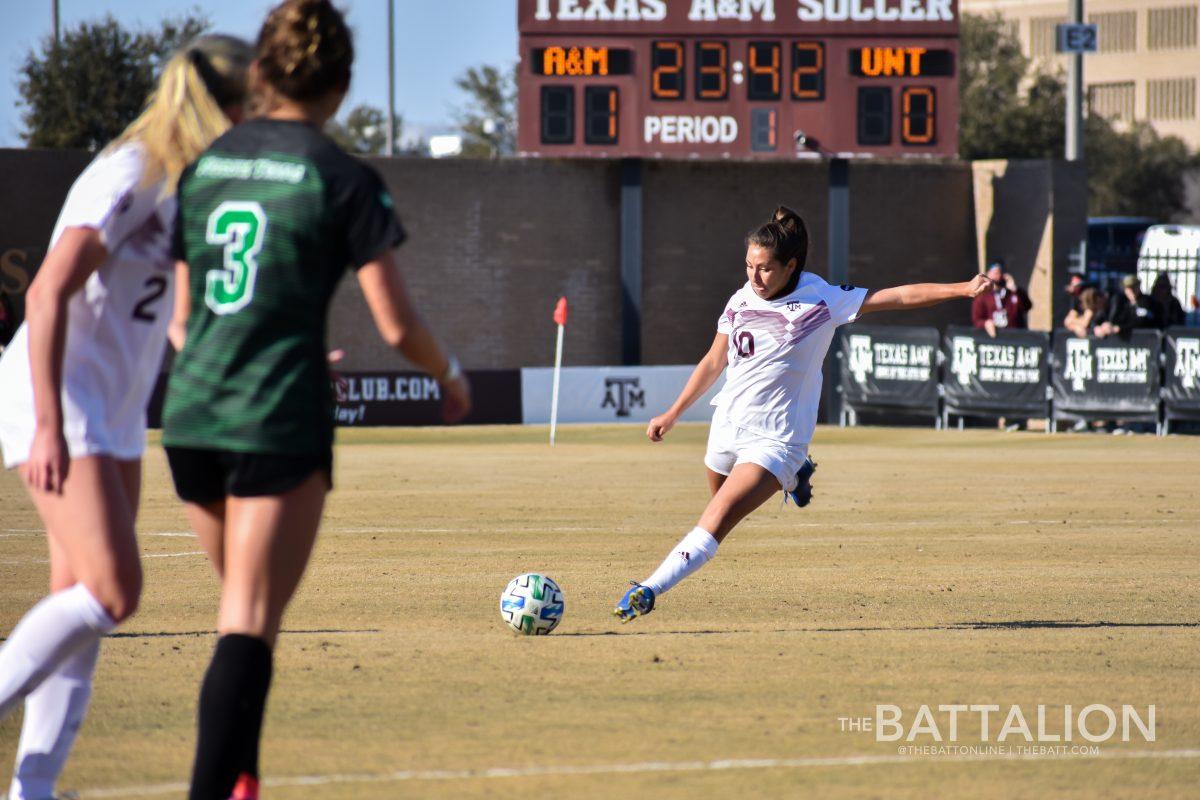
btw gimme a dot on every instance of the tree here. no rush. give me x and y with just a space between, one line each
1006 112
1012 109
489 121
364 131
83 92
1136 172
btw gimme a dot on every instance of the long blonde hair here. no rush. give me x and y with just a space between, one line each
184 113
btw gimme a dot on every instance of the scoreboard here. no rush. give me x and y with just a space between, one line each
737 78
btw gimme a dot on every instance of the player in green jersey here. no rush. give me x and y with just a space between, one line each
73 392
270 216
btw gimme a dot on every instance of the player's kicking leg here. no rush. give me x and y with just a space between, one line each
747 487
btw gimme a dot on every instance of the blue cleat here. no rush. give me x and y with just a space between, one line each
636 602
802 494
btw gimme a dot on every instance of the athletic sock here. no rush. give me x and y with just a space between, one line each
53 630
233 698
53 713
693 552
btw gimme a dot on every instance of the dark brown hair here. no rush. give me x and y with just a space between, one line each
1162 286
787 238
305 49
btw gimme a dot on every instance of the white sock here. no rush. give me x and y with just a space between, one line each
53 713
49 633
693 552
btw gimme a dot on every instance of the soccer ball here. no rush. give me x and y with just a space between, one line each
531 604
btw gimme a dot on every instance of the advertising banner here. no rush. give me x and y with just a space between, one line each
1005 376
888 368
403 398
1181 373
1110 378
609 394
414 398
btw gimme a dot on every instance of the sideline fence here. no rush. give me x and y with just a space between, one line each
1149 376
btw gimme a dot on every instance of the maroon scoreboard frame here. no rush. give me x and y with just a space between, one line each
737 78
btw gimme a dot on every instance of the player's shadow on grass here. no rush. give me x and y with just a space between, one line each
175 634
1057 623
981 625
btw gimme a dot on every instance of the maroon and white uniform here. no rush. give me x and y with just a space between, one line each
767 410
116 324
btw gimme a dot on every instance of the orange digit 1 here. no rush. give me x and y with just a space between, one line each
601 107
612 114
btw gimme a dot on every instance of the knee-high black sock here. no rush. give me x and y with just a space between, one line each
233 698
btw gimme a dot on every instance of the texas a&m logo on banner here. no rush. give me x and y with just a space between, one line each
966 359
623 394
1079 363
1187 362
862 362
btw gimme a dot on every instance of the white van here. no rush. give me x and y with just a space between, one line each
1175 250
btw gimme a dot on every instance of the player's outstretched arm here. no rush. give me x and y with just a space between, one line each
703 377
403 328
920 295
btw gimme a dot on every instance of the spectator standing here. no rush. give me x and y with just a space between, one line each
1074 289
1007 306
1170 309
1129 310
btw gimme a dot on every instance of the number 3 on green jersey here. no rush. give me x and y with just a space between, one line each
240 228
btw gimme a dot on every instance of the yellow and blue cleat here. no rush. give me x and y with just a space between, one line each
637 602
802 494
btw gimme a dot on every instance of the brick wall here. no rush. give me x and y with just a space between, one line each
493 244
695 219
33 185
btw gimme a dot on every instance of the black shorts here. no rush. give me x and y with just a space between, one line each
205 476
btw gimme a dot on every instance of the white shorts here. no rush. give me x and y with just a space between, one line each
85 437
97 419
729 445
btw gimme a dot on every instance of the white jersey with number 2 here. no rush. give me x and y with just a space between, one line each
116 324
776 349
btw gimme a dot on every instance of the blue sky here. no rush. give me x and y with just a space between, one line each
436 40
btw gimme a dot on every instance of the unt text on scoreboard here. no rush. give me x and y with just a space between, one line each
737 78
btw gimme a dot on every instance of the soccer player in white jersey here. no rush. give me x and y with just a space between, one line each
773 336
76 380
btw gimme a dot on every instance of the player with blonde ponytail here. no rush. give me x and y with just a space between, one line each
189 108
76 380
773 336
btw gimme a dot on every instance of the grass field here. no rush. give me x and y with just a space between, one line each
932 568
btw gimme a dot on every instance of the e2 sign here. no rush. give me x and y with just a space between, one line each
1070 38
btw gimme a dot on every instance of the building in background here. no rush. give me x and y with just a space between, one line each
1147 68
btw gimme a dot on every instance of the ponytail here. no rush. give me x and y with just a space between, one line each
184 114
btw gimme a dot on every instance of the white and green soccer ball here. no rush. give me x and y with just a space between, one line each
531 604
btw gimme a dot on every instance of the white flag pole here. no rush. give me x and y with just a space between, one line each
560 319
558 350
